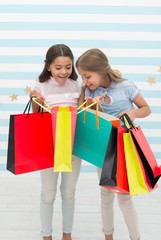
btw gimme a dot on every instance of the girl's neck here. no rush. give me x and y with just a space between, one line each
52 80
105 82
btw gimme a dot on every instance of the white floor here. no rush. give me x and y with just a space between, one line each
19 210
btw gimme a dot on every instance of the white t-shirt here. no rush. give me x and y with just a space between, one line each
57 94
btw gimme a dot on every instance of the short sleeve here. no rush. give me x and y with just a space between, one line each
36 87
132 91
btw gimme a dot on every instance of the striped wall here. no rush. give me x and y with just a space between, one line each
129 32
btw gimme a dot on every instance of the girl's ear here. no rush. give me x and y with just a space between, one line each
48 68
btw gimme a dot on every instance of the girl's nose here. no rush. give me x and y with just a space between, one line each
64 70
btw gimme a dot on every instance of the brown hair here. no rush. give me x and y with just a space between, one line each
53 52
94 60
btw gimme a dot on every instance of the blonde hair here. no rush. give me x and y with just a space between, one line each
94 60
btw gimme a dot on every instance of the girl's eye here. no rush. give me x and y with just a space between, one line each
88 77
57 68
68 68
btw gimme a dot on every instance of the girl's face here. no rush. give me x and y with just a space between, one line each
92 80
61 69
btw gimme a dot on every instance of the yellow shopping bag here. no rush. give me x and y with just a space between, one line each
136 180
63 123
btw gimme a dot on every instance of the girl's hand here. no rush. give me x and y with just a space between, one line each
98 98
39 98
90 100
130 113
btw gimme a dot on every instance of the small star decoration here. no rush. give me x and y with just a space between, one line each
151 80
27 89
13 97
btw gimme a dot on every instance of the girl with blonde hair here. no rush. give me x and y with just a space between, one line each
117 96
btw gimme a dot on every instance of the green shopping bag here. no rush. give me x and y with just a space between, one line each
90 143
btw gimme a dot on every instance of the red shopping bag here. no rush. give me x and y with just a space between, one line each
146 155
30 143
114 173
122 180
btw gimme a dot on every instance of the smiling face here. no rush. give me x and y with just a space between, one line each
92 80
61 69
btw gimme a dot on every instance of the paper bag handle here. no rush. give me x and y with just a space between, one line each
127 122
42 106
97 102
28 106
86 107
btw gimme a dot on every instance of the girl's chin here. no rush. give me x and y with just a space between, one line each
91 87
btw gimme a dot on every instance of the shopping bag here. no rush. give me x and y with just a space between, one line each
146 179
108 175
114 173
63 131
30 142
63 125
135 175
91 142
146 155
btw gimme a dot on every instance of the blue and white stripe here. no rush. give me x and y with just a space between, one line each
127 31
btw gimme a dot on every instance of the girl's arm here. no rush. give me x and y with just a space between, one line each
142 111
82 96
39 98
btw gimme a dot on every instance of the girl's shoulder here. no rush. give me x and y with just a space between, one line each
122 84
36 85
125 88
40 87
